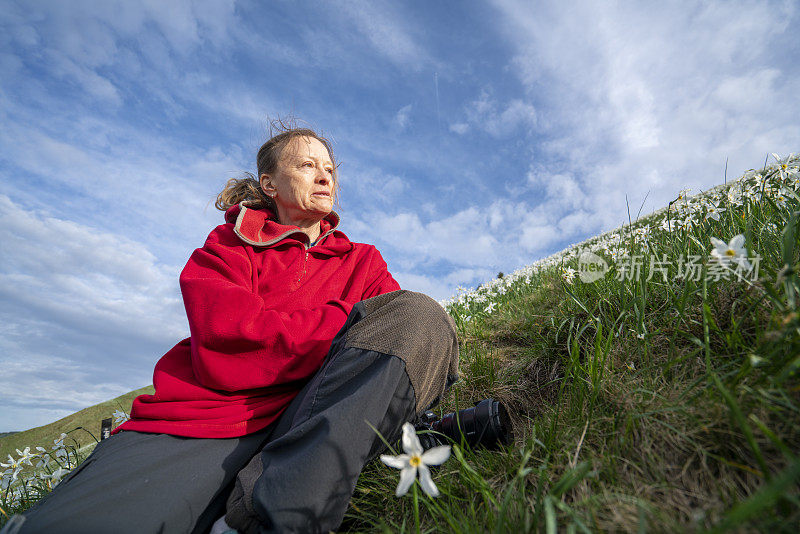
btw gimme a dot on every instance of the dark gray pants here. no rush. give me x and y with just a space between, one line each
393 359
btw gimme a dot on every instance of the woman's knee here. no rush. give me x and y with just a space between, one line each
411 311
415 328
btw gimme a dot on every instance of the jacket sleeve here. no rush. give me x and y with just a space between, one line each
381 280
237 341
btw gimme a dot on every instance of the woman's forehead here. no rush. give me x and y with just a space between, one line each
303 147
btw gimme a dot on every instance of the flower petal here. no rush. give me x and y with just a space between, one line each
737 242
407 476
436 455
426 481
719 244
411 444
398 462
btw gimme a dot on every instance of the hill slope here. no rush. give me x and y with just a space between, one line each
88 418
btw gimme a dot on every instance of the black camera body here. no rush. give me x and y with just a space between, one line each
485 425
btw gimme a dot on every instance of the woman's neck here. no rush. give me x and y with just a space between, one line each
312 231
310 227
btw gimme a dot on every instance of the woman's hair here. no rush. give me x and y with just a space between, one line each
248 187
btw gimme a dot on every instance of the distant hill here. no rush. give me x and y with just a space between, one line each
88 418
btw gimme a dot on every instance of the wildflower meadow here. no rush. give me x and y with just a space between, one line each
651 375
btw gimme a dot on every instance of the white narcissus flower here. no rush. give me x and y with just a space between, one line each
44 462
785 166
12 463
25 456
414 460
59 441
734 197
668 225
780 199
712 212
119 417
732 251
56 476
569 274
14 467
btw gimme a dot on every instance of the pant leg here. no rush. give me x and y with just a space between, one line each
144 483
392 360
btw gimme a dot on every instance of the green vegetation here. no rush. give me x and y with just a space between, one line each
664 402
662 396
88 419
35 460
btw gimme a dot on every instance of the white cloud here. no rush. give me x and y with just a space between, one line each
162 185
637 99
498 119
429 285
459 127
562 191
123 46
85 313
41 389
402 117
85 275
385 28
369 185
462 238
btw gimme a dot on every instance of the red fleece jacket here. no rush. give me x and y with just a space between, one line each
263 311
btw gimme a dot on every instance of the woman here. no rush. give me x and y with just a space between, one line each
301 342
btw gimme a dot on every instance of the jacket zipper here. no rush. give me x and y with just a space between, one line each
303 270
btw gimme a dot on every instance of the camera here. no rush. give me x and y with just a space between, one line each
484 425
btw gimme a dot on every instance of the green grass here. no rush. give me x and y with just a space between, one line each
80 432
637 405
657 405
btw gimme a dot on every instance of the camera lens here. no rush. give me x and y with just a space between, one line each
487 424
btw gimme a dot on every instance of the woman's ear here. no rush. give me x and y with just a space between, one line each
266 185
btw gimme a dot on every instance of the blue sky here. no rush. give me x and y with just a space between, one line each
474 137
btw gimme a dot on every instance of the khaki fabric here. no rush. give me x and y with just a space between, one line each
416 329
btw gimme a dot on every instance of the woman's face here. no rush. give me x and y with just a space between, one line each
302 184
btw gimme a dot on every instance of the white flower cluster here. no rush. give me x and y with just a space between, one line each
50 468
47 469
776 183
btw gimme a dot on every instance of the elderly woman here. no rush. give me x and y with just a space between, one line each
301 342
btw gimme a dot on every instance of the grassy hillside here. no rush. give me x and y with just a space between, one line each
88 418
663 396
651 375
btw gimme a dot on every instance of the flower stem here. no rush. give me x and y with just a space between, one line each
416 510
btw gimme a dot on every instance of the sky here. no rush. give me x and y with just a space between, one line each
473 138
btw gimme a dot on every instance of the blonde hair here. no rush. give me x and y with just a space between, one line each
248 187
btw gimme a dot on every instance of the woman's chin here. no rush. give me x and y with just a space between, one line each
322 206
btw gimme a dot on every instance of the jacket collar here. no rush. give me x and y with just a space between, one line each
259 227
